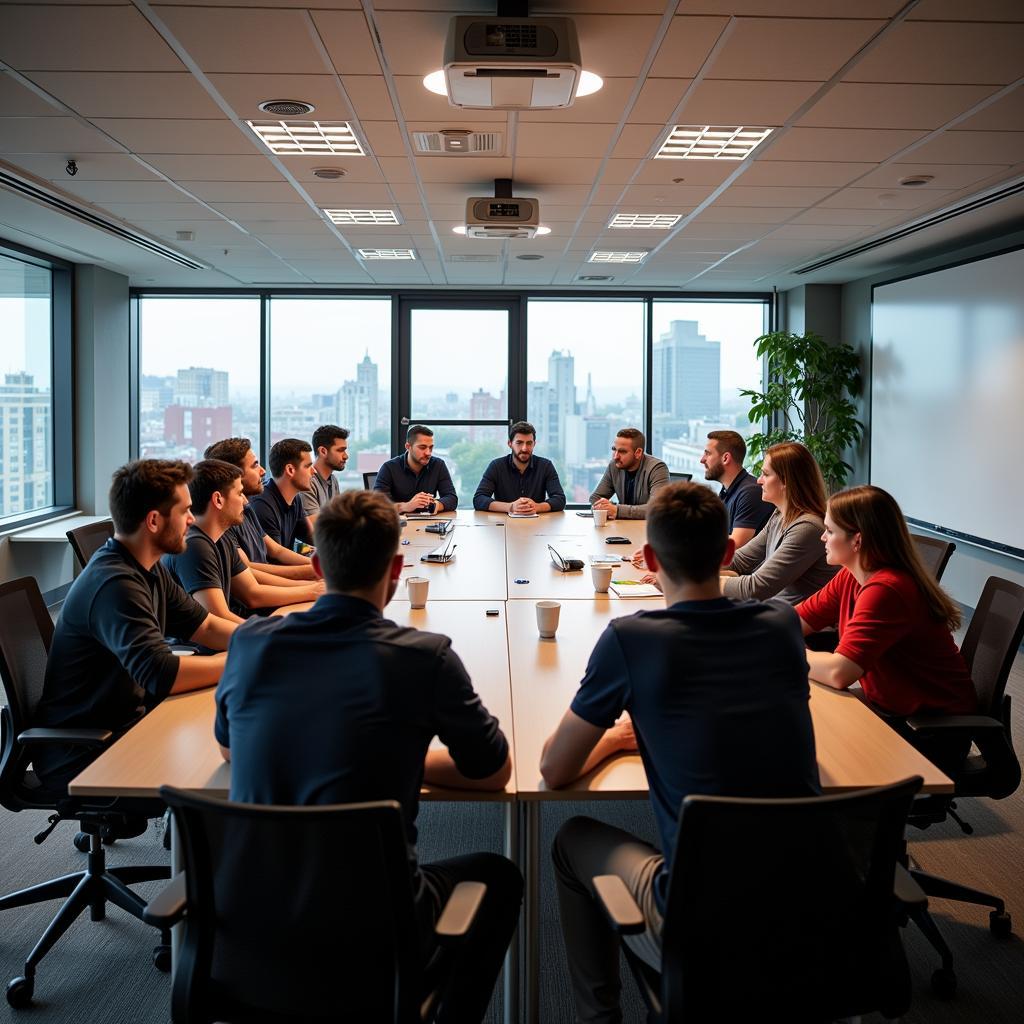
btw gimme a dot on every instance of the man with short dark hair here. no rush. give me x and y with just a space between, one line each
210 569
520 483
717 695
412 479
339 705
723 461
633 477
279 506
109 661
330 446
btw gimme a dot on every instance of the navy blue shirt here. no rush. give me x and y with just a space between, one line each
502 481
400 483
718 694
744 504
249 536
281 521
338 704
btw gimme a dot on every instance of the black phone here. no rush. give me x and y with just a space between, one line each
589 514
617 540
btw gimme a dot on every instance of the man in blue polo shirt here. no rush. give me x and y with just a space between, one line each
520 483
723 461
412 479
339 705
717 695
279 507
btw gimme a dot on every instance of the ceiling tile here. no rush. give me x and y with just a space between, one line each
384 138
216 136
657 99
794 8
686 45
123 191
215 192
873 198
956 147
822 232
555 171
161 211
843 144
689 172
465 170
91 166
863 105
731 214
944 176
784 172
348 41
615 46
17 100
251 213
370 97
745 103
420 105
547 140
244 94
128 94
50 135
356 169
743 195
413 41
202 167
977 10
325 193
999 115
637 140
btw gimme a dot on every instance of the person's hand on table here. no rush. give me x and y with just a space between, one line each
524 506
649 577
421 502
623 735
638 559
609 506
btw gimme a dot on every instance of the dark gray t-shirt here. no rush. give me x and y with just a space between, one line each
206 564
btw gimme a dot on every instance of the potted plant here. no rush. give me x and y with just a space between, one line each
808 398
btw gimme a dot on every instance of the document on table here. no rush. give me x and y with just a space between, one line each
631 588
612 560
523 515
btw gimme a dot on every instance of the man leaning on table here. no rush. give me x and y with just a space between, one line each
520 483
717 695
633 477
109 660
416 480
338 704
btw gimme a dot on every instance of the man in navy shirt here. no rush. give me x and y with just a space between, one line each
520 483
279 507
723 461
717 695
413 479
338 705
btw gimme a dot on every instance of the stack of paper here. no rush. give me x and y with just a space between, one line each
630 588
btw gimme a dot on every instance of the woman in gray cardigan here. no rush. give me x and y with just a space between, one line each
787 558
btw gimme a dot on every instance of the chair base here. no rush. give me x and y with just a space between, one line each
90 890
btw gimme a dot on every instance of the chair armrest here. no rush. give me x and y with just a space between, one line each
460 911
617 902
74 737
168 906
906 890
949 723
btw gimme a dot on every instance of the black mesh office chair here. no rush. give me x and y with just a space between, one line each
369 479
787 904
26 631
679 478
295 915
934 553
87 540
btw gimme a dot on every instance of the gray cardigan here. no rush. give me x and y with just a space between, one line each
785 562
651 475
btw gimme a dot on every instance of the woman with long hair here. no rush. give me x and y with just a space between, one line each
895 622
786 559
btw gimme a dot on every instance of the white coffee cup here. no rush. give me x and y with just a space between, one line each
547 618
602 576
417 587
600 517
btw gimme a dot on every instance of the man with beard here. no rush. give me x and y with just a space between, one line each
255 546
723 461
210 569
520 483
416 481
109 661
330 445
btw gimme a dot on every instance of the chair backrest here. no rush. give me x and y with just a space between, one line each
934 553
26 632
786 904
295 913
87 540
369 479
991 642
676 478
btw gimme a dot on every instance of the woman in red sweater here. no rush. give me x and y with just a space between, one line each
895 622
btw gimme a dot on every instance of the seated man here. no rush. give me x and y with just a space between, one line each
109 660
633 477
255 546
723 461
718 698
279 506
330 446
338 705
520 483
209 569
411 480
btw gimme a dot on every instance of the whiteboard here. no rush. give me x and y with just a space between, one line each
947 398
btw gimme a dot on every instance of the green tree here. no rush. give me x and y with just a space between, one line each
472 458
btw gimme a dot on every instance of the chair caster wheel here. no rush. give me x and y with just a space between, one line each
162 958
19 992
81 842
944 983
1000 924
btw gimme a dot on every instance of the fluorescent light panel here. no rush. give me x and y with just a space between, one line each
603 256
387 254
312 138
708 142
660 221
363 216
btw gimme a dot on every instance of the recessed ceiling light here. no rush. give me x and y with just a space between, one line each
363 216
595 277
313 138
329 173
589 83
435 83
916 180
529 256
708 142
606 256
387 254
287 108
660 221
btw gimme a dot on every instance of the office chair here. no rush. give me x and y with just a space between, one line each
934 553
26 631
369 479
794 904
679 478
295 915
87 540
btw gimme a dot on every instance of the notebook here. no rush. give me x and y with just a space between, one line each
627 588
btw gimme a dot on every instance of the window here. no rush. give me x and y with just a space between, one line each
585 381
199 374
26 391
330 362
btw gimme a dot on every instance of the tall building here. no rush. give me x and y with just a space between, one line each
357 400
561 398
484 406
200 386
687 374
196 427
25 445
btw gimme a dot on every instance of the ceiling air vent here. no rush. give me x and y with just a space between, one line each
287 108
466 257
458 142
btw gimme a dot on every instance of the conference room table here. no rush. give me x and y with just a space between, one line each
526 681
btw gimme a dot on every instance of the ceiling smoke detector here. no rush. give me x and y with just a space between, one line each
916 180
329 173
287 108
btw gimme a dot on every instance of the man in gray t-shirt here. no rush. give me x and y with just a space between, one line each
330 447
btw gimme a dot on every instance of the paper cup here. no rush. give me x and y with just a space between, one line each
417 587
602 576
547 618
600 517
